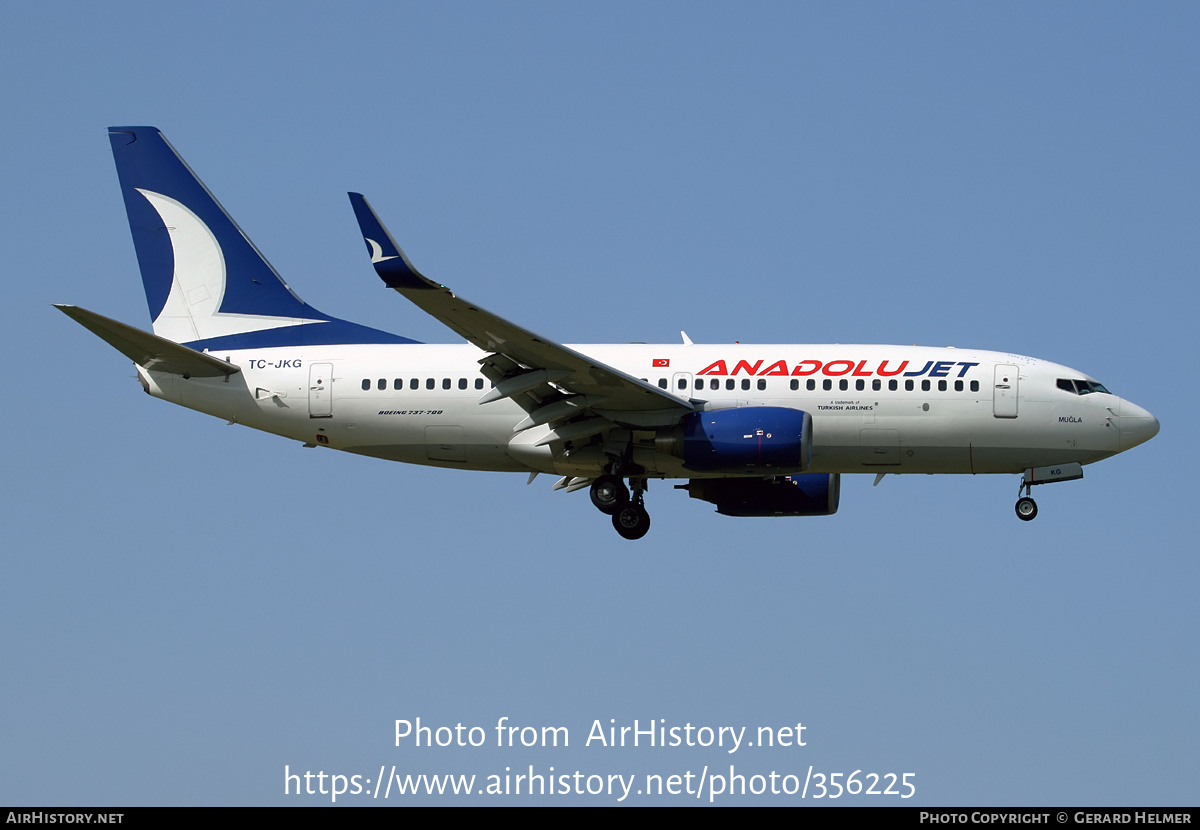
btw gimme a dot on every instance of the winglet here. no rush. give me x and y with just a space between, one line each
392 266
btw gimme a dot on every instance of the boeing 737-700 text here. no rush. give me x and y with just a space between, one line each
755 430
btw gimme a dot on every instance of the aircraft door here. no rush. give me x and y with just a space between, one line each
1004 391
320 390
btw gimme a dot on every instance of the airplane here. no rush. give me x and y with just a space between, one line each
757 430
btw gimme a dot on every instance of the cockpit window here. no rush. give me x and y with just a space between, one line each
1081 387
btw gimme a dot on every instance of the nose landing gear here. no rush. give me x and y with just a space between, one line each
1026 509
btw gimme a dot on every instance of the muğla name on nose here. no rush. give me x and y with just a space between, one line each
837 368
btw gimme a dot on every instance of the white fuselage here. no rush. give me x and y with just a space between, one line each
875 409
771 427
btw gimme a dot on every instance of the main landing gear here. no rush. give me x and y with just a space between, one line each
629 516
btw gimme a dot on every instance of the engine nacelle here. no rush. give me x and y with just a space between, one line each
816 494
751 439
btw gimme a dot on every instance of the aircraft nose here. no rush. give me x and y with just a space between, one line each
1137 425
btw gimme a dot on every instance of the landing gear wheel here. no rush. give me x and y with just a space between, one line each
1026 509
609 494
631 521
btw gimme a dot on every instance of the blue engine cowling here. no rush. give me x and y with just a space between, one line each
752 439
816 494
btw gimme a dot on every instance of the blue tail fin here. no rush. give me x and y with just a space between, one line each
206 284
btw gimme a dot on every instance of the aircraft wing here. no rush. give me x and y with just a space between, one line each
606 390
149 350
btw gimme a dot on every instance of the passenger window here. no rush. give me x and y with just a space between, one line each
682 384
795 384
462 383
908 386
876 385
893 385
958 386
730 383
941 386
397 384
924 386
445 383
843 384
762 384
860 384
974 386
382 384
827 384
430 383
415 383
366 385
699 383
745 383
812 385
478 383
662 383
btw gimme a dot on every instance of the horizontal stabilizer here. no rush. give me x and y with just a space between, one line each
147 350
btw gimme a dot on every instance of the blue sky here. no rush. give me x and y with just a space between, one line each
189 607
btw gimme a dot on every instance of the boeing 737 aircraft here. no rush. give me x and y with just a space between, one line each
756 430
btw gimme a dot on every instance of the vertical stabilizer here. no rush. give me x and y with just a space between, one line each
206 284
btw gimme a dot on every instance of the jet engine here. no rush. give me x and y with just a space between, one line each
816 494
752 439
